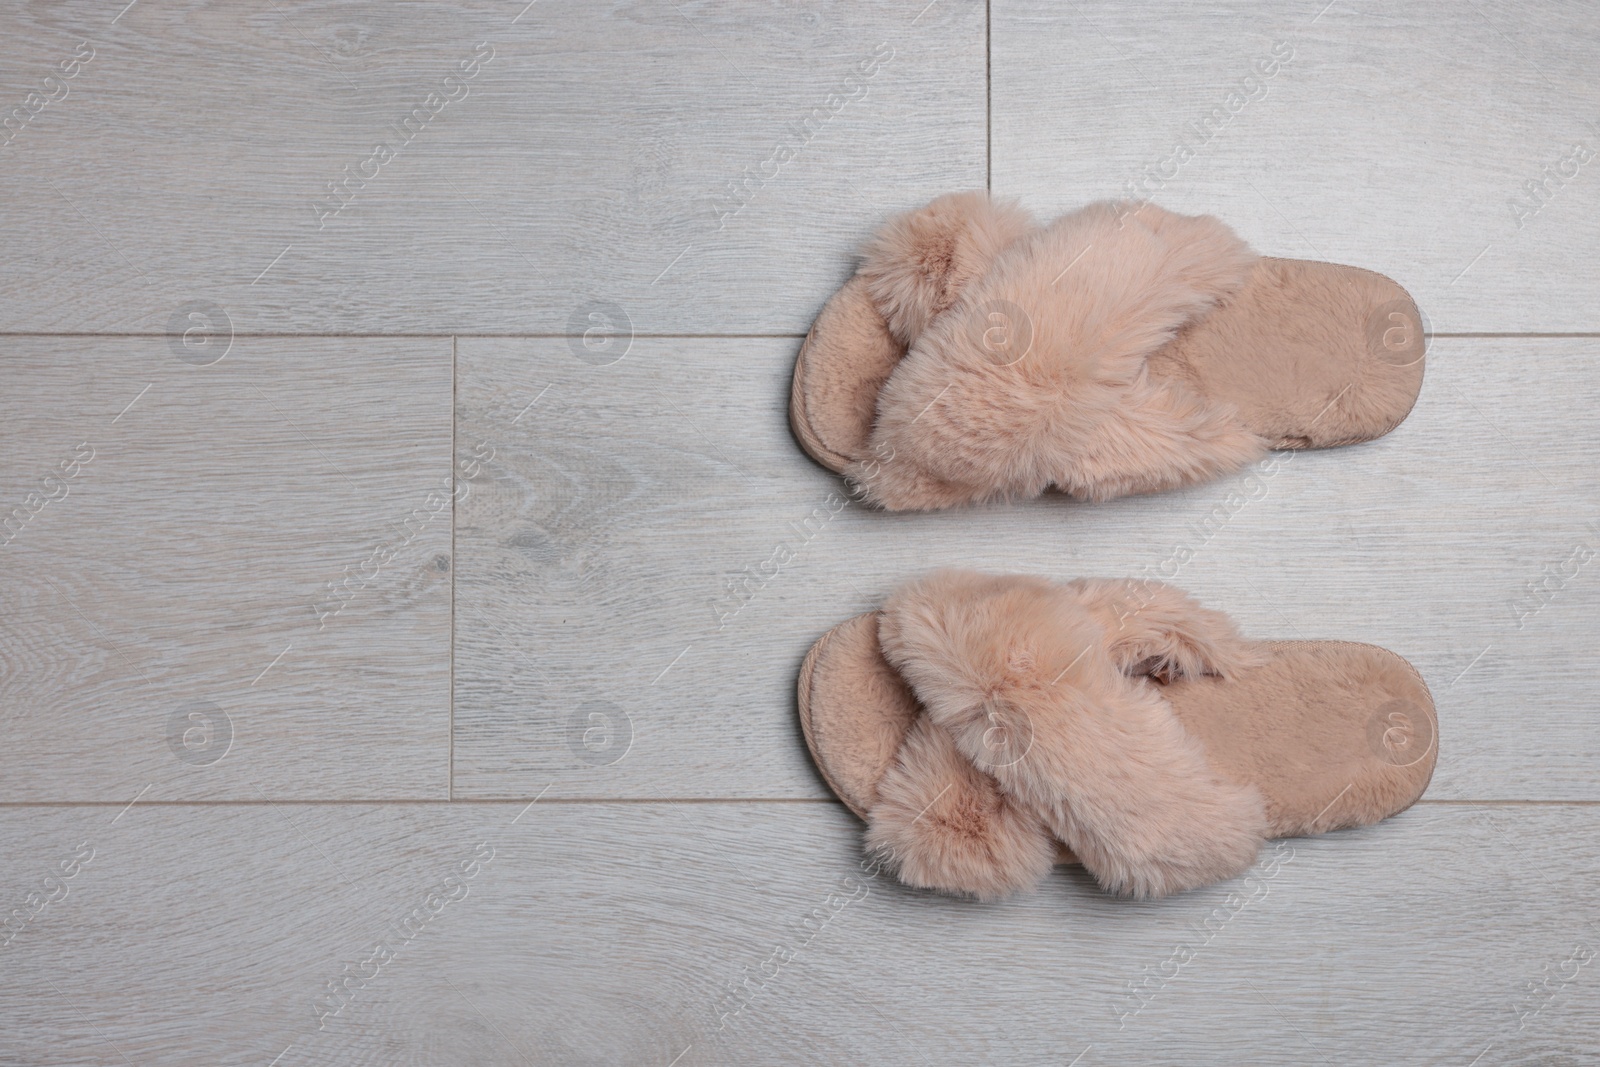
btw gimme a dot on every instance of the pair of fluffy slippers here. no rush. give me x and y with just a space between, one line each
985 726
1120 349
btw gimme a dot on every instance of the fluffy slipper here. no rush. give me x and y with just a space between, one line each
977 721
1120 349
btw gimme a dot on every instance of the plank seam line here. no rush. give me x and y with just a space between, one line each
638 336
268 335
576 801
450 757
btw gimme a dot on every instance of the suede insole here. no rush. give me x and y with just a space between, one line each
1334 733
1311 355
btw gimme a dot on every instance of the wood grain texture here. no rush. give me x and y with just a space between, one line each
748 934
617 510
1394 138
645 554
588 157
243 590
595 552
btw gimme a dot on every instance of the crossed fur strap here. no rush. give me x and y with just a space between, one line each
1040 723
1028 349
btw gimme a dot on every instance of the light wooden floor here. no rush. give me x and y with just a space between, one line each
361 624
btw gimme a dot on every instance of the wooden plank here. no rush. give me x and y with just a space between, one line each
609 519
705 168
225 578
1402 139
737 933
613 506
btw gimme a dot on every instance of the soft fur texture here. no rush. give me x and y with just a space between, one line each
940 823
1157 630
1030 681
1097 292
919 262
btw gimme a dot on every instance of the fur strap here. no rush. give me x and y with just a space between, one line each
1040 722
1027 356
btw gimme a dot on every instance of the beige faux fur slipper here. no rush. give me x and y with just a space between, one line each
1119 349
977 721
